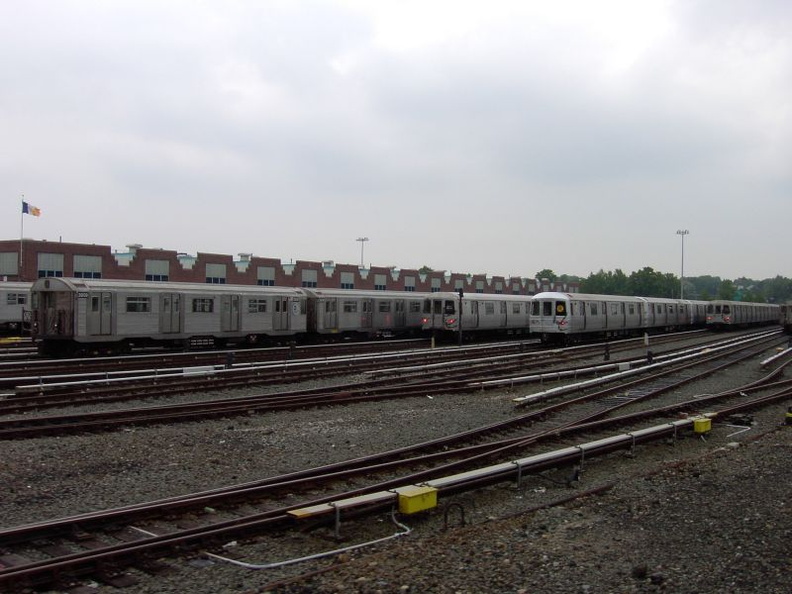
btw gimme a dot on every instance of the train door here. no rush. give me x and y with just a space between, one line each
577 315
170 313
474 319
366 315
400 315
280 317
229 313
330 315
98 318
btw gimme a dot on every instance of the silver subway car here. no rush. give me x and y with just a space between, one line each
83 315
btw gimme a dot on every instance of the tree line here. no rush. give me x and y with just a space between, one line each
648 282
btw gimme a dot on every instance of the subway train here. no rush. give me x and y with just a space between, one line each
481 313
84 316
14 305
564 318
725 314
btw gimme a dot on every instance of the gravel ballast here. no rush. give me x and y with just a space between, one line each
699 515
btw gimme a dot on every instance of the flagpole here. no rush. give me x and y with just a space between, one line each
21 236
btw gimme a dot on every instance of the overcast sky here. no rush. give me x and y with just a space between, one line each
498 137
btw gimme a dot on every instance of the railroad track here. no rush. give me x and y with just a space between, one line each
440 379
39 367
39 392
103 544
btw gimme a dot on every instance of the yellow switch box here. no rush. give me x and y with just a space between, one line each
702 425
414 498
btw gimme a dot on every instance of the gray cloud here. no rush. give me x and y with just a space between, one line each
503 141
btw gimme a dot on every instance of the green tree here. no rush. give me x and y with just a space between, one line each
548 274
648 283
727 290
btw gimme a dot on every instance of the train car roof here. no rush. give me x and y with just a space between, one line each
84 284
472 294
588 297
364 293
621 298
16 285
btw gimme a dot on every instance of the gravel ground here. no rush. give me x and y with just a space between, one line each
701 515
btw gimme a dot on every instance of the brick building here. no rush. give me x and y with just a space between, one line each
28 259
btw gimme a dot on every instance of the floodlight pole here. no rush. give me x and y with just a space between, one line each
682 233
362 241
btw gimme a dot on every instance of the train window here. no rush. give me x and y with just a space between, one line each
350 307
400 307
330 306
16 299
489 308
415 307
547 308
257 306
535 308
384 306
367 307
449 307
95 304
614 309
503 307
133 304
726 309
593 309
631 309
203 305
516 307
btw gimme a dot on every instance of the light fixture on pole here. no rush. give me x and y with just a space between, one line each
362 241
682 232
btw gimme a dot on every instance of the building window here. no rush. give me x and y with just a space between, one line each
266 276
48 273
309 278
9 263
409 283
138 304
257 306
87 266
380 282
157 270
216 274
347 280
203 305
50 265
435 285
